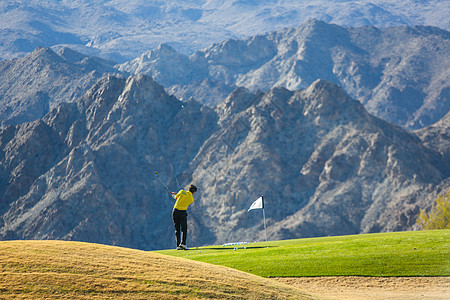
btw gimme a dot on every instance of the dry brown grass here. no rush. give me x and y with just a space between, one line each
58 269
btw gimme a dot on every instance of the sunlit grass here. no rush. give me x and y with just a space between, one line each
418 253
72 270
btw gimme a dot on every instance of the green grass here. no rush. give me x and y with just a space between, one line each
416 253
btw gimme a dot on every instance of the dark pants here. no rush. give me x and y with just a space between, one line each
180 222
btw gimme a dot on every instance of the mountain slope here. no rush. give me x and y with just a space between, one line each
33 85
326 167
437 136
399 74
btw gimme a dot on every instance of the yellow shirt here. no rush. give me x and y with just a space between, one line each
184 199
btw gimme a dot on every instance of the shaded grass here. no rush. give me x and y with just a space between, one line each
73 270
417 253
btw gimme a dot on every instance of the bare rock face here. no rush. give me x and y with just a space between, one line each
437 136
325 166
33 85
400 74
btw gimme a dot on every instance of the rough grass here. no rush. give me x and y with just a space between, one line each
73 270
418 253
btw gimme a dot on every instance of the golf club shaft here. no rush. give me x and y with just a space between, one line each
157 176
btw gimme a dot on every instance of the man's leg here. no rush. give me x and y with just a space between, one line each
183 224
177 224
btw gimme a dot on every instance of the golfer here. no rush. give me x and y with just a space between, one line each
179 214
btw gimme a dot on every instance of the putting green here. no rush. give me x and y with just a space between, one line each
414 253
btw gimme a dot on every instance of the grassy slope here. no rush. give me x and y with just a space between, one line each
58 269
73 270
419 253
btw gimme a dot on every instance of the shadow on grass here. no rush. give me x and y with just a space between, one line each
231 248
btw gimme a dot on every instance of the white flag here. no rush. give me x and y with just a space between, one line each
257 204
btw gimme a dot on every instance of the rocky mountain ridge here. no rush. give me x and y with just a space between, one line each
325 166
400 74
33 85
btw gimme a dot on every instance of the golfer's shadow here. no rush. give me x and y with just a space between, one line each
231 248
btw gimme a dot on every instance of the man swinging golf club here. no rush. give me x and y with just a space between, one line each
179 214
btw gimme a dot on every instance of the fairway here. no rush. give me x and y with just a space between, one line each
414 253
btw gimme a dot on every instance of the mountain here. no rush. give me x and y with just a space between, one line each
400 74
121 30
325 166
33 85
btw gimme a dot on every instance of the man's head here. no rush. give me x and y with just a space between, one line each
192 189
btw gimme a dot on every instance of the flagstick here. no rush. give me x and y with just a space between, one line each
265 230
264 216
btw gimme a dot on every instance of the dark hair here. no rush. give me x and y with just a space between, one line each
192 188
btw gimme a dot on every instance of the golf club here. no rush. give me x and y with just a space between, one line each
157 176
